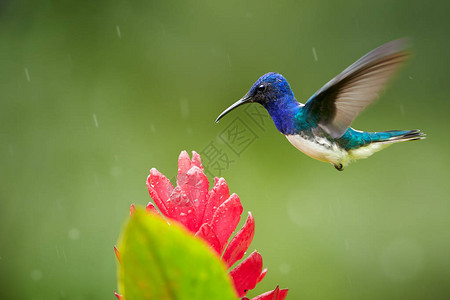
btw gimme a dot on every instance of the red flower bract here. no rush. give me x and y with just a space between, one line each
213 216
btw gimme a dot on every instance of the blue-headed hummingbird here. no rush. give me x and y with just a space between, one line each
320 128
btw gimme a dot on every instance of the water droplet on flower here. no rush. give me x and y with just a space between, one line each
189 211
182 214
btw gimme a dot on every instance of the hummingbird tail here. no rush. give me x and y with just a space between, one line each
381 140
396 136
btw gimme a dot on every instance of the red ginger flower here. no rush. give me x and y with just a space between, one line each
213 216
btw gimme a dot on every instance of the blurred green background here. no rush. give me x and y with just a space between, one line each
95 93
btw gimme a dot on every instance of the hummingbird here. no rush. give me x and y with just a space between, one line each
320 128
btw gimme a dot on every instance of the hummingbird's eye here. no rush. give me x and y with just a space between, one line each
261 88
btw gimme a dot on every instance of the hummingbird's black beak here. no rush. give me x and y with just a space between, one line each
243 100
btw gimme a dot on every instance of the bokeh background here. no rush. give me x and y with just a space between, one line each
95 93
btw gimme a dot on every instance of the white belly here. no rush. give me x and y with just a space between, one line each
321 149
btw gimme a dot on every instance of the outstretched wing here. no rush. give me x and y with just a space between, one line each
339 101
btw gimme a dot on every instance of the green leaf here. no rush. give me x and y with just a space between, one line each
161 261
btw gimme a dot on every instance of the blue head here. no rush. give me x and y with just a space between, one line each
269 88
273 92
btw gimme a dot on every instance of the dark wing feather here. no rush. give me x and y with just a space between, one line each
339 101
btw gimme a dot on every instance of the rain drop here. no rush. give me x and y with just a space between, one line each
70 60
402 259
27 74
64 255
74 234
284 268
118 32
116 171
184 107
315 54
95 120
36 274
